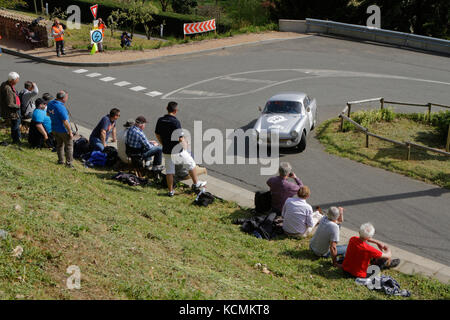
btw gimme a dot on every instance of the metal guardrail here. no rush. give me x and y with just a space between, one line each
378 35
407 144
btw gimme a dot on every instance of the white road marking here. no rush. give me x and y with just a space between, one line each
202 93
247 80
312 74
122 83
154 93
106 79
138 88
92 75
80 71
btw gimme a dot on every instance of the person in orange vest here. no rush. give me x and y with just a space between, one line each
58 35
101 26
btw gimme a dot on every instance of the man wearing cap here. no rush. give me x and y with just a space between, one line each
106 126
173 150
10 104
121 141
137 143
61 129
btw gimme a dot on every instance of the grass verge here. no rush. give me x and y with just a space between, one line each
424 165
136 243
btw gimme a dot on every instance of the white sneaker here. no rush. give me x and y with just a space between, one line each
148 163
199 184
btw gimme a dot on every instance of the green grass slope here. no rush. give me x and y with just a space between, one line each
136 243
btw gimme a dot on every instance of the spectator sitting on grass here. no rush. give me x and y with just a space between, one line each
107 125
298 216
40 133
125 39
360 254
325 239
281 188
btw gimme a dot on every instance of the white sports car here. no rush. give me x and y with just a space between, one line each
293 114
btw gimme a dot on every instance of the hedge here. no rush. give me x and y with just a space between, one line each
173 21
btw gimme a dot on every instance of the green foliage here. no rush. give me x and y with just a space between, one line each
440 120
11 4
247 12
423 17
183 6
368 117
58 13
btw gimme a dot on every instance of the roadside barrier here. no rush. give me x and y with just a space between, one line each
199 27
345 116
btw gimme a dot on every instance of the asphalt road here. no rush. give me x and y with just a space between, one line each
223 89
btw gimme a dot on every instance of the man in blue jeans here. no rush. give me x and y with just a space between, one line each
137 143
10 105
106 126
324 242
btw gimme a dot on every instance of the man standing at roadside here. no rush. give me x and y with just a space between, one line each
58 36
61 129
10 105
106 126
166 127
26 96
101 26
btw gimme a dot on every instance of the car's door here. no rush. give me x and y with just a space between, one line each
309 113
313 106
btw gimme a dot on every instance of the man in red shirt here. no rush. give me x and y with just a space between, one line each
359 253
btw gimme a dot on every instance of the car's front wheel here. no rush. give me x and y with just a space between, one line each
302 144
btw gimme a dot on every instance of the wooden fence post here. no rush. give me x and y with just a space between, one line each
349 109
382 103
342 125
429 113
408 151
367 140
447 148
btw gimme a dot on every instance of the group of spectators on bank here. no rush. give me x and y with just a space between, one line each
50 127
289 199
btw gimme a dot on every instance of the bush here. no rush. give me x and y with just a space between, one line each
173 22
440 120
367 117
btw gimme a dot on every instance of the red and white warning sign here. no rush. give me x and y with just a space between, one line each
198 27
94 9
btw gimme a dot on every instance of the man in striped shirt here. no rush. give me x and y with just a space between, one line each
138 143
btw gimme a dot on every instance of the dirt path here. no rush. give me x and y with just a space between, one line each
129 55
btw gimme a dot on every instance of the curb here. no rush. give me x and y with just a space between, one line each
134 62
410 262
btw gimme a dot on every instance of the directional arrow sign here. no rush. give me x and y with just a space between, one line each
94 9
197 27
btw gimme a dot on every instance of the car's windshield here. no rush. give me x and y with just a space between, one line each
282 107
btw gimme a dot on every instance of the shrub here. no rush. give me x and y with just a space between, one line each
367 117
440 120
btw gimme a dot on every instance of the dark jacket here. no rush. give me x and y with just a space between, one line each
8 107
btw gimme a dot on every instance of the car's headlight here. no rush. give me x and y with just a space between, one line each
294 134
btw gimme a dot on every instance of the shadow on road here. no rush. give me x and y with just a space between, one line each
435 192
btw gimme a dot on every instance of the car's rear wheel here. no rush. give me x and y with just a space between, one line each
302 144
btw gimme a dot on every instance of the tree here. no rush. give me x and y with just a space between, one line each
11 4
183 6
139 12
164 4
115 19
